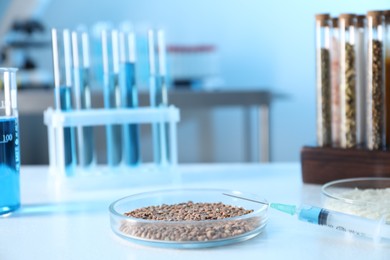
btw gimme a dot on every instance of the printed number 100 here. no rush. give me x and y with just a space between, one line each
7 138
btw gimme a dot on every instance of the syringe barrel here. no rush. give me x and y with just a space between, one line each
356 225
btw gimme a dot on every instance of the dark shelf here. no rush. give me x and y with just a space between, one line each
321 164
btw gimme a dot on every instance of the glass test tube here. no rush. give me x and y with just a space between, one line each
112 95
387 77
129 96
335 88
323 75
375 82
9 142
82 94
361 79
347 24
62 65
158 93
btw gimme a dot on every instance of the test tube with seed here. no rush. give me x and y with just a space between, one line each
375 82
335 81
361 79
323 75
347 23
387 77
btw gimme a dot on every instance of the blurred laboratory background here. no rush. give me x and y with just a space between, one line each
242 73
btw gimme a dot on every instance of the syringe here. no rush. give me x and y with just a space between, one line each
376 229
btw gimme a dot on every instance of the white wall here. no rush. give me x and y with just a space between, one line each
261 43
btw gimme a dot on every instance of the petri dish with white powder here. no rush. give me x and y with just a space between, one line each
365 197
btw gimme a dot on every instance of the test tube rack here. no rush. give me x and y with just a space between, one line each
323 164
57 120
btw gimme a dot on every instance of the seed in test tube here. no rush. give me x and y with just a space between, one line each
350 97
377 117
325 92
335 80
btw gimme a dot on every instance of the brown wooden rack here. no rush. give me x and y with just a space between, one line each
322 164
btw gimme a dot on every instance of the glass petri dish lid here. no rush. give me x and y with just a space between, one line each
188 233
366 197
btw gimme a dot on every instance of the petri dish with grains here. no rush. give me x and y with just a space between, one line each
188 218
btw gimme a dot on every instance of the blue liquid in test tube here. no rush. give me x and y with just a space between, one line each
129 96
86 133
69 132
158 94
112 95
113 132
130 100
61 50
82 94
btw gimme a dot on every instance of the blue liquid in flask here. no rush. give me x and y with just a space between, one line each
9 165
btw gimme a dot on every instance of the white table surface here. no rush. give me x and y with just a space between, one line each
72 223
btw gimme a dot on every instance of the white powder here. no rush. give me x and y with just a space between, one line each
369 203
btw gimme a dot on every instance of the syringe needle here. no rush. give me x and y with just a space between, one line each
289 209
238 197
